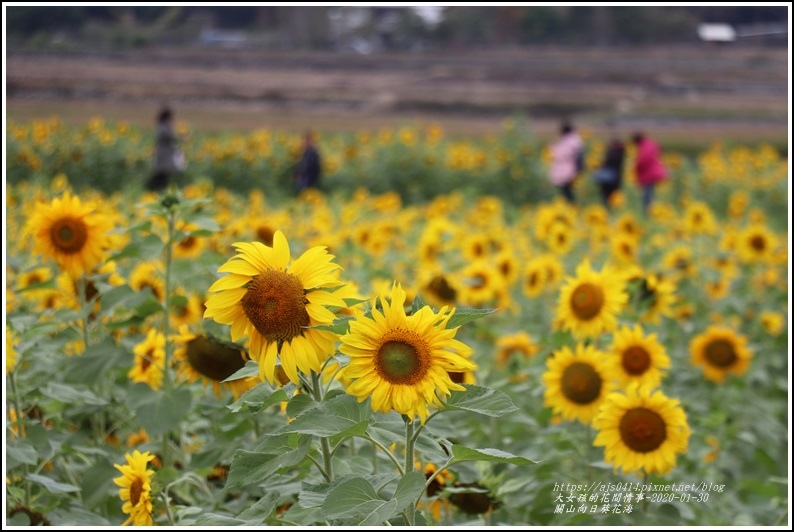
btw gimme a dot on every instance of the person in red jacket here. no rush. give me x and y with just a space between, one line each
648 167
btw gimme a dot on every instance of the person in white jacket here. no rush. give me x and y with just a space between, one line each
566 163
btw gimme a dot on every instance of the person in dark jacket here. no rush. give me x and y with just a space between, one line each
610 175
308 169
165 151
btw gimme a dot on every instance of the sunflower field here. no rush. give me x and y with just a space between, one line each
432 338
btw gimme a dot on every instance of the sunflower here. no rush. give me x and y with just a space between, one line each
70 232
679 261
576 382
635 357
479 283
651 296
436 505
439 289
720 351
403 362
186 310
191 245
590 301
277 304
699 219
534 278
149 360
11 353
203 357
136 488
641 431
147 274
518 343
756 244
772 322
624 248
507 266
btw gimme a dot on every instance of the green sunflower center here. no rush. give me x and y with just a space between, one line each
403 358
275 304
758 243
587 300
721 353
213 359
581 383
136 490
636 360
68 235
642 430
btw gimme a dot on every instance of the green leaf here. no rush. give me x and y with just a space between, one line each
299 404
356 500
409 489
251 369
97 480
72 396
339 326
51 485
482 400
150 305
97 360
465 315
389 428
211 519
204 222
20 452
466 454
254 468
165 413
38 286
417 304
314 495
342 414
260 510
260 397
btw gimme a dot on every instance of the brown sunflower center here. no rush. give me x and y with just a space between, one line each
721 353
636 360
213 359
188 243
275 304
403 358
758 243
146 360
532 280
581 383
440 287
586 301
69 235
136 490
265 235
642 430
456 376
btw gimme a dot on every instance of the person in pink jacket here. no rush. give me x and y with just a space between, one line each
565 164
648 167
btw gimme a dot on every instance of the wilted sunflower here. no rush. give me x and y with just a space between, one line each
635 357
590 302
277 303
70 232
136 488
720 351
203 357
149 360
403 362
641 431
576 382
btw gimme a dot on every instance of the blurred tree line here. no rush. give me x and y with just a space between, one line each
388 27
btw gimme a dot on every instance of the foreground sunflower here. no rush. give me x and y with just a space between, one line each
70 232
277 304
590 301
136 488
202 357
641 431
403 362
635 357
719 350
576 382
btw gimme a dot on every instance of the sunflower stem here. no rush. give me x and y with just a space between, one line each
166 321
325 445
20 431
83 311
388 453
319 467
409 464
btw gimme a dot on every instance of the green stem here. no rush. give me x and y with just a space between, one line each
320 467
167 508
169 251
20 432
81 289
409 465
325 445
388 453
421 427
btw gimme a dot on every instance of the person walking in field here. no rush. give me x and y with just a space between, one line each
168 159
309 168
566 161
648 167
610 175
